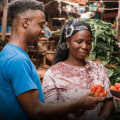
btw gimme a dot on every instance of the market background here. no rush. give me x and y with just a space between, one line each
104 19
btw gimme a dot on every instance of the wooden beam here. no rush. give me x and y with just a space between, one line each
4 22
118 23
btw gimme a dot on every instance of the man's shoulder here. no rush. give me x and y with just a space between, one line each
13 60
11 53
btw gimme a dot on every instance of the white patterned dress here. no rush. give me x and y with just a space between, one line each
64 82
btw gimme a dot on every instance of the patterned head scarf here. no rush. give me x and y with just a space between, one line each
72 27
69 30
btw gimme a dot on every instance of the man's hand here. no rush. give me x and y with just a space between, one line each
89 102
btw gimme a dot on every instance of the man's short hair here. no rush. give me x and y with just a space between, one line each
20 6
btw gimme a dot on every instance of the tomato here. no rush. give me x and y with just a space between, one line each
102 94
96 94
98 85
117 85
95 86
113 88
93 89
118 89
99 90
105 92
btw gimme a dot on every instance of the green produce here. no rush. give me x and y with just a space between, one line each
104 42
114 75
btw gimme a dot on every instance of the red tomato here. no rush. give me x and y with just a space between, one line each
93 89
101 95
113 88
95 86
99 90
105 92
118 89
117 85
96 94
98 85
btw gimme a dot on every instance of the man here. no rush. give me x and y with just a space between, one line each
21 96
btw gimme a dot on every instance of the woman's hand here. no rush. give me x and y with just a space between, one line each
79 113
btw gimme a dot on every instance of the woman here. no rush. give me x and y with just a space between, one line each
72 75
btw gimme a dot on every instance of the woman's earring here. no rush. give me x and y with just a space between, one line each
68 47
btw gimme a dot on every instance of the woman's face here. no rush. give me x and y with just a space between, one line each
80 44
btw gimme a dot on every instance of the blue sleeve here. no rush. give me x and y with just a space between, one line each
21 75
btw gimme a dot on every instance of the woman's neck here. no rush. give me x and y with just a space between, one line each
75 62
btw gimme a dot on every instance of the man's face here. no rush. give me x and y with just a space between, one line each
35 29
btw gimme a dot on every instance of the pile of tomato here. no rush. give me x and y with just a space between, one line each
115 87
98 91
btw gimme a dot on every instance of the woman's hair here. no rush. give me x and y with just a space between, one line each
20 6
69 30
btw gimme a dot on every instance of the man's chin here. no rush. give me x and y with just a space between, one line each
35 44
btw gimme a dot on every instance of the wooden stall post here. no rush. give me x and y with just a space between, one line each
4 22
118 20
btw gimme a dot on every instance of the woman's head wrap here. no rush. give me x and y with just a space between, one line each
69 30
72 27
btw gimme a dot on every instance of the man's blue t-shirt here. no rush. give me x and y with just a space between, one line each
17 75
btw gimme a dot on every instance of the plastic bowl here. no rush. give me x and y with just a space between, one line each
115 93
117 103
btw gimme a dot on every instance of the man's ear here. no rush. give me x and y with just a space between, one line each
26 22
67 43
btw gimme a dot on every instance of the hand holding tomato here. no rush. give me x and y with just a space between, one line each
98 91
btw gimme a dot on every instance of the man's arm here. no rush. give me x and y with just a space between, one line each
37 110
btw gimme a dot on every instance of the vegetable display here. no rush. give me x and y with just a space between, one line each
104 45
114 74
